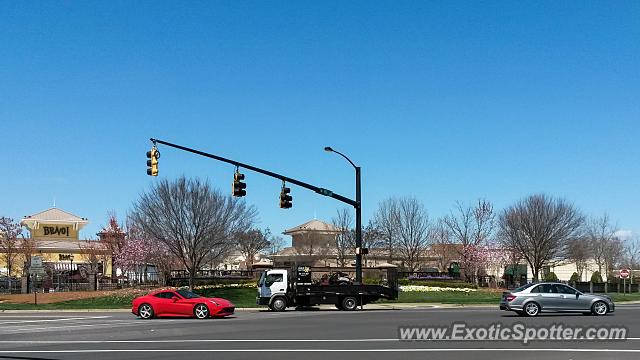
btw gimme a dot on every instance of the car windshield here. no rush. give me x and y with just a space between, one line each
523 287
187 294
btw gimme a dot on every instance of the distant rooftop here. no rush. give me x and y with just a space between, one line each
313 225
53 215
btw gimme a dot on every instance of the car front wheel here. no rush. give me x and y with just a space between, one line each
201 311
278 304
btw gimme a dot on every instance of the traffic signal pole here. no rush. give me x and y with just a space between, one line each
316 189
358 229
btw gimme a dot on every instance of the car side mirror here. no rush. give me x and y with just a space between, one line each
577 295
175 298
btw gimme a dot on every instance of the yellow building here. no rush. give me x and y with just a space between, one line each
54 235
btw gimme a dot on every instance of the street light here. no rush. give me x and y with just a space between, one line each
358 208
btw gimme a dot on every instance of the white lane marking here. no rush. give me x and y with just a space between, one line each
53 320
255 341
580 350
13 330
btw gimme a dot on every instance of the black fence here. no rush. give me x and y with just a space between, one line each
11 285
605 287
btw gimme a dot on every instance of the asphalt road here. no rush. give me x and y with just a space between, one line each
368 334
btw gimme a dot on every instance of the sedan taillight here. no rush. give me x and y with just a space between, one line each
510 298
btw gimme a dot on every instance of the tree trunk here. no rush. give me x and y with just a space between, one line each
192 275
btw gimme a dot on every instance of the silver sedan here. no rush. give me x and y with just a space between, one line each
533 298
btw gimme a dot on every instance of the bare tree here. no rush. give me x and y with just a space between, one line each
413 231
579 252
345 240
9 242
28 247
632 252
441 246
539 227
251 242
601 235
276 243
613 255
195 222
387 218
97 255
372 238
471 227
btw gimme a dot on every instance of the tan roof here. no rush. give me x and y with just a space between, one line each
313 225
53 215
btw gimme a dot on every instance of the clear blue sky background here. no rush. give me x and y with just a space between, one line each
445 101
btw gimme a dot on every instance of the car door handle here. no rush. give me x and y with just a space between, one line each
281 290
562 297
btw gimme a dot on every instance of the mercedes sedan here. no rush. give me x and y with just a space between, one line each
533 298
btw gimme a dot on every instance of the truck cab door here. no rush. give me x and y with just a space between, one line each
273 283
276 283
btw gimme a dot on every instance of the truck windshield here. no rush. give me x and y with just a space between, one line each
262 276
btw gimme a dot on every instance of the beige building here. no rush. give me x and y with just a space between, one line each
54 234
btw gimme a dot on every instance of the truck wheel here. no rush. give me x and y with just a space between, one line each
349 303
278 304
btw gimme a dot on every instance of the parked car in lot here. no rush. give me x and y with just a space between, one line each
181 303
533 298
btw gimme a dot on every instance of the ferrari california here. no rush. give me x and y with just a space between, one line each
180 303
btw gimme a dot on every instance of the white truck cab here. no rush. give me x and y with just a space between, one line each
272 285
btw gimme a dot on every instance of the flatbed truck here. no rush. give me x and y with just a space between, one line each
283 288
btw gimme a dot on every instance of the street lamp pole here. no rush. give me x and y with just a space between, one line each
358 207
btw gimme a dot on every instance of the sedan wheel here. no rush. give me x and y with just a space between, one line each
600 308
201 311
145 311
532 309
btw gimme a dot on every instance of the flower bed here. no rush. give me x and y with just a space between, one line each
422 288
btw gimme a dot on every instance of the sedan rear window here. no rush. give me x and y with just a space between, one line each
523 287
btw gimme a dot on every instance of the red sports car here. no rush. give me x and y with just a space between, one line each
181 303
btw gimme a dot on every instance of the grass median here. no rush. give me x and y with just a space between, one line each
245 297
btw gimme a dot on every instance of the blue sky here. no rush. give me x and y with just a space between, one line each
445 101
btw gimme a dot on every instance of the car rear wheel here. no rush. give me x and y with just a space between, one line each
201 311
349 303
532 309
145 311
599 308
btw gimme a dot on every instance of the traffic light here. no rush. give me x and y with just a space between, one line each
238 186
285 198
152 162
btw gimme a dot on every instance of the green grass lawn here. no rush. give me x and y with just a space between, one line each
241 297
